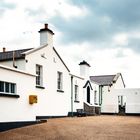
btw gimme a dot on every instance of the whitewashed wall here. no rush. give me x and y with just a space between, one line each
79 82
20 63
95 88
109 100
132 98
17 109
51 102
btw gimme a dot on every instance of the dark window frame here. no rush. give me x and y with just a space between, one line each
39 77
59 81
76 93
8 88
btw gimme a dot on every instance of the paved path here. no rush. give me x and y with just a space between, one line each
82 128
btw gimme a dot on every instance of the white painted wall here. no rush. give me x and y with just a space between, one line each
132 99
20 63
95 88
46 38
51 102
84 71
109 100
80 83
17 109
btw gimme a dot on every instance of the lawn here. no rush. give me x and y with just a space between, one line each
102 127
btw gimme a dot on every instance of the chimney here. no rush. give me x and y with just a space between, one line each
84 69
46 26
4 49
46 36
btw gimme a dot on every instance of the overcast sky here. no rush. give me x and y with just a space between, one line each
105 33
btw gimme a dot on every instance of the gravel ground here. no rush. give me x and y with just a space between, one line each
82 128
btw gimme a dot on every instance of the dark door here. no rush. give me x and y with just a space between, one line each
88 94
121 104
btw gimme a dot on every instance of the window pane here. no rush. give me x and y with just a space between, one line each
95 96
39 78
59 80
1 86
7 87
12 88
76 93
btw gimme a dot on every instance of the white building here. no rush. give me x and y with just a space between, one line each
36 83
52 83
127 100
107 83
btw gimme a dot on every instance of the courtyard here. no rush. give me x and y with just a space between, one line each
104 127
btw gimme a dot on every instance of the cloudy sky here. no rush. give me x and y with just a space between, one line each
105 33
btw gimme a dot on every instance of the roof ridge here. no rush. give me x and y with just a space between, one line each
103 75
16 50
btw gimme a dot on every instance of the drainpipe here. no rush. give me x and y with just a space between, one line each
72 96
100 94
14 65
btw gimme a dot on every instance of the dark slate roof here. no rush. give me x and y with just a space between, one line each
8 55
103 79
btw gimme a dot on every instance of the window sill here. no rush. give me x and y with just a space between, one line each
60 91
9 95
41 87
77 101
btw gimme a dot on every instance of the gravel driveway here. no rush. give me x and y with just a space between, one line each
102 127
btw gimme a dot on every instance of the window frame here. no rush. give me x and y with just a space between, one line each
60 81
95 96
39 77
8 89
76 93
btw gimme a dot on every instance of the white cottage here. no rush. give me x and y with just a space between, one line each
105 85
56 90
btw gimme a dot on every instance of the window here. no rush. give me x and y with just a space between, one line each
1 86
59 80
13 88
76 92
6 87
95 96
39 77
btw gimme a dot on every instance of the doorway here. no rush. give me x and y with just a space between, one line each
121 104
88 94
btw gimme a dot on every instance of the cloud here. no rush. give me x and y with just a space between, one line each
103 21
6 6
123 12
134 43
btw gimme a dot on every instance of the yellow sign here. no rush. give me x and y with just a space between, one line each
32 99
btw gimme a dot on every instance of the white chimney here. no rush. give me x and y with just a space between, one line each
46 36
84 69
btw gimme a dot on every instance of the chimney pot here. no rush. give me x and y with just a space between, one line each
4 49
46 26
